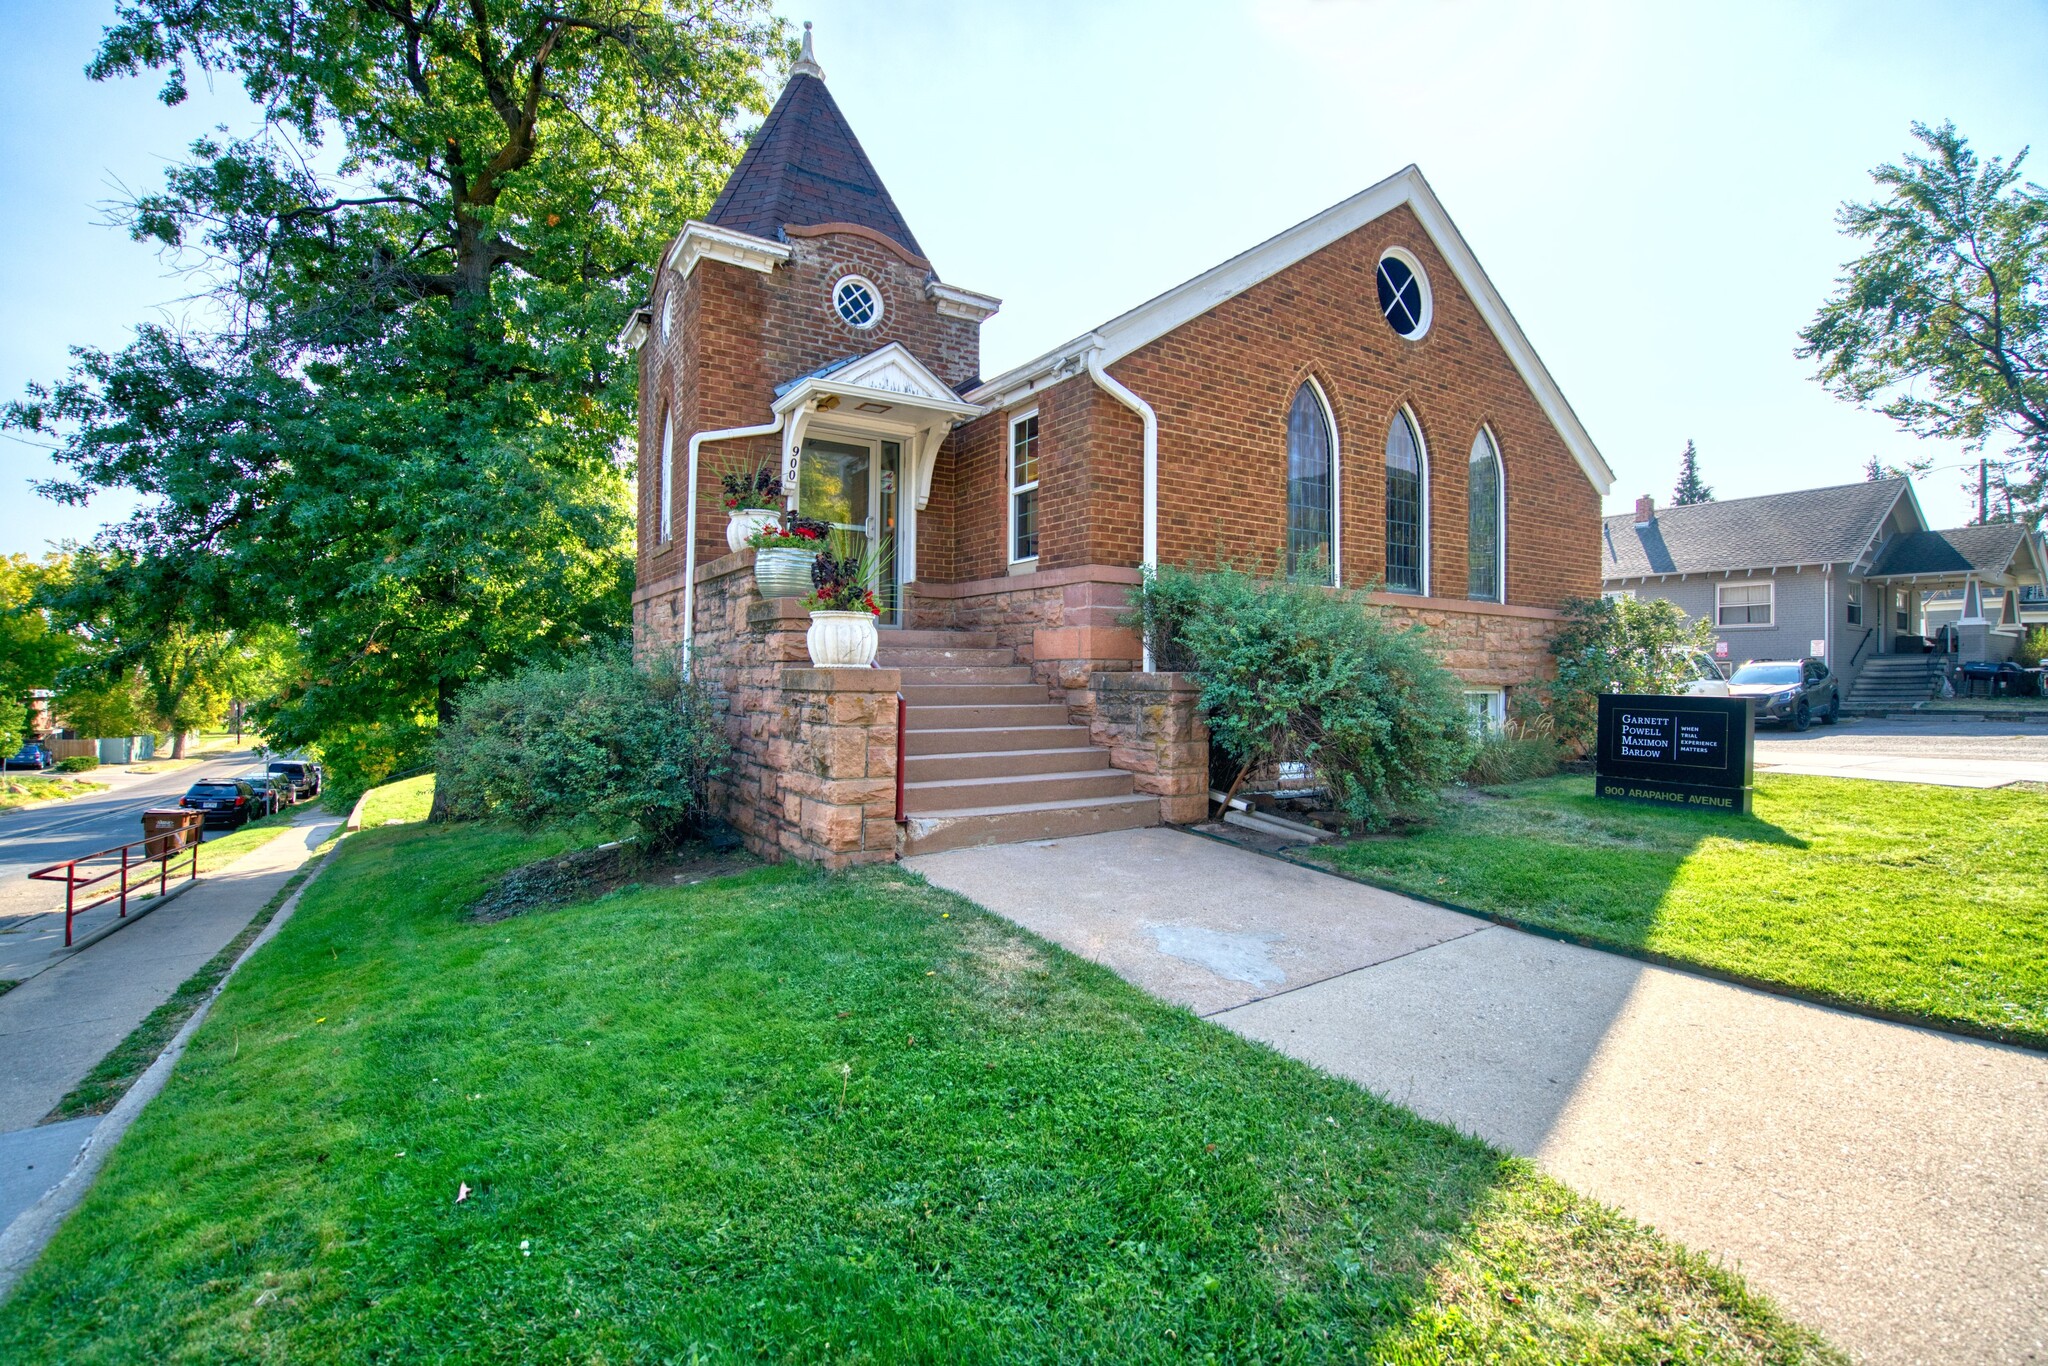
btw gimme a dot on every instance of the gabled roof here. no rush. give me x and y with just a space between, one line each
805 167
1983 550
1812 526
1154 319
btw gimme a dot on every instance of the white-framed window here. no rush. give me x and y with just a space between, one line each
668 312
1404 293
1744 604
1618 594
1024 487
668 450
1407 507
1488 708
1486 518
1311 485
857 302
1853 605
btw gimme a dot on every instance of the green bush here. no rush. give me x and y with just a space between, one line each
78 763
1512 755
1292 671
597 738
1633 645
2034 648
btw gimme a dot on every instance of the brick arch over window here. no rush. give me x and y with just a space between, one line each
1313 531
1407 505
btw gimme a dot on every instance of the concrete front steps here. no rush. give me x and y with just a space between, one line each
990 758
1890 683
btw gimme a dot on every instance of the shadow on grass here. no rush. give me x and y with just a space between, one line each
788 1116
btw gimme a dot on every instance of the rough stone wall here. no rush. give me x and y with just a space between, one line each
813 768
1486 644
1150 725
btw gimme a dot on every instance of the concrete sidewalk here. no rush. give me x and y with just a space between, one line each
1887 1185
58 1024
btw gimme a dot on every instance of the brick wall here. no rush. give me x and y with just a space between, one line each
1222 385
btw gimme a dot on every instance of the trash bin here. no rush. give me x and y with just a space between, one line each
169 831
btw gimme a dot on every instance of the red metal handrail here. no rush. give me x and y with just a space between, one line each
169 844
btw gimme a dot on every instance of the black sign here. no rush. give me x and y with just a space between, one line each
1675 751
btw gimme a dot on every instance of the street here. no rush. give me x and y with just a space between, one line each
32 913
1948 751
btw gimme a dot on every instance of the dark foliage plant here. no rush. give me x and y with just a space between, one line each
1293 671
596 738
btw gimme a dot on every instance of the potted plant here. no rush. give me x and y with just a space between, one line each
843 607
783 553
752 496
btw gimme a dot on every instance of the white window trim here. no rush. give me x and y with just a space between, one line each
1408 259
874 292
1422 460
1721 589
668 313
1336 482
1500 513
1496 707
1010 479
668 447
1618 594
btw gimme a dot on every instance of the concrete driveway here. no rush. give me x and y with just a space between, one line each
1947 753
1887 1185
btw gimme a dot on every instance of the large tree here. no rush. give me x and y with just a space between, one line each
32 650
1691 488
399 431
1942 323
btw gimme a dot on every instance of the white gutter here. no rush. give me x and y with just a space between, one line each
690 525
1145 414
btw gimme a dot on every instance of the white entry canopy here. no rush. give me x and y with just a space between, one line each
888 393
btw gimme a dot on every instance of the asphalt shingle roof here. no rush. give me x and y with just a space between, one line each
805 167
1968 549
1812 526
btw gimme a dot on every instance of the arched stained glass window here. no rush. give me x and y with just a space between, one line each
1311 487
1407 479
668 451
1484 576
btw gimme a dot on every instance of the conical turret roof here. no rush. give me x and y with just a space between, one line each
805 167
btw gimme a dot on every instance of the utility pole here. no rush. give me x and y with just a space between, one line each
1983 491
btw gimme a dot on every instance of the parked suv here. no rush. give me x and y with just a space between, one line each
1702 676
305 776
1791 692
274 791
230 802
31 755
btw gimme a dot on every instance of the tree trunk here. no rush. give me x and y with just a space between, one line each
177 744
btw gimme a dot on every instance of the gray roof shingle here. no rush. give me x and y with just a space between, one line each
1967 549
805 167
1812 526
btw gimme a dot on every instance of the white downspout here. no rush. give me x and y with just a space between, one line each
1145 414
690 525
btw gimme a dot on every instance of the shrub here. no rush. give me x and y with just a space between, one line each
596 737
1292 671
2034 648
78 763
1617 645
1512 754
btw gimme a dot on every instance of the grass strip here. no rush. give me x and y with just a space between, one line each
1907 900
101 1089
24 791
785 1116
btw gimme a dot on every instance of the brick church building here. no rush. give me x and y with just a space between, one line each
1351 395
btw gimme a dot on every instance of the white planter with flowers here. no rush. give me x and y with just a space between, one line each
842 640
741 524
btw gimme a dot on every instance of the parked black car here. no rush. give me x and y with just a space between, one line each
31 755
1791 692
231 802
305 775
274 791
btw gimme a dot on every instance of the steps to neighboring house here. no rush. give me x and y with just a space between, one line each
990 758
1889 682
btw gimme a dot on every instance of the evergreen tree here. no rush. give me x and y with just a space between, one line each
1691 488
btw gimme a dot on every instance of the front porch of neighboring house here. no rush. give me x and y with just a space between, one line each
1001 710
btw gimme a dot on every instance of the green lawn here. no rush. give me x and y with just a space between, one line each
1920 899
21 789
405 801
786 1117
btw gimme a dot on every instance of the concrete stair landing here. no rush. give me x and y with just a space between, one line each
990 758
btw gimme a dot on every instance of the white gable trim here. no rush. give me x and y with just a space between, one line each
1182 304
951 301
701 241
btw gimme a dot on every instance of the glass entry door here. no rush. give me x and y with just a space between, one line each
853 486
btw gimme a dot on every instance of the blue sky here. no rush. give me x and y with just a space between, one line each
1651 187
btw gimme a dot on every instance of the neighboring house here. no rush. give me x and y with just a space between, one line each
1352 394
1845 573
2029 605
